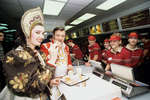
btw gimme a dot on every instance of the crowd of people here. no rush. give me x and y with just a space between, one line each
32 73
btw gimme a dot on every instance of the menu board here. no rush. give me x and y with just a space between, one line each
110 25
137 19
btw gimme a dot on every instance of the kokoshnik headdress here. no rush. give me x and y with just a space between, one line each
31 18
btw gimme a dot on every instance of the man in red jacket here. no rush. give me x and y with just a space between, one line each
57 53
137 53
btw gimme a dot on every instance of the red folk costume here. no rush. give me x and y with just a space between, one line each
94 49
122 56
63 53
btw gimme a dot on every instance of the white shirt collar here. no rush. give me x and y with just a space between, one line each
132 49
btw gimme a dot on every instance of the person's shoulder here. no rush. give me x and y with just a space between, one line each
15 50
23 52
46 44
76 46
66 46
125 49
96 44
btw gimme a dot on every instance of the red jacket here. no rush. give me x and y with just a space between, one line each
122 57
104 54
45 48
76 50
136 56
95 50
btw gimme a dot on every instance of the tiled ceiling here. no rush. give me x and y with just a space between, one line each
103 14
14 9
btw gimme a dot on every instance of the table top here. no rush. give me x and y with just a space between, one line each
95 89
145 96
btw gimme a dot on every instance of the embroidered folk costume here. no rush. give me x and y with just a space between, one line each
26 73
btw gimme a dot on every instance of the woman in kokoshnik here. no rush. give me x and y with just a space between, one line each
27 75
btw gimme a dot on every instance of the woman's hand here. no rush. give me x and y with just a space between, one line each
55 82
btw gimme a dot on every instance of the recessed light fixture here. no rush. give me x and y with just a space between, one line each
83 18
68 27
108 4
53 7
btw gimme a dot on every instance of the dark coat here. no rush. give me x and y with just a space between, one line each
24 73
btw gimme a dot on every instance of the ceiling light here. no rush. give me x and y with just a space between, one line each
86 16
83 18
53 7
76 22
68 27
62 0
108 4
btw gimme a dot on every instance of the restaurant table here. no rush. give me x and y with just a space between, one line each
95 89
86 70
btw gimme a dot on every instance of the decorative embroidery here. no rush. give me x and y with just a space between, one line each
43 56
9 59
24 55
27 62
45 76
62 58
34 84
19 81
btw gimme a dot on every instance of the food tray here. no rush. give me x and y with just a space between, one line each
75 80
